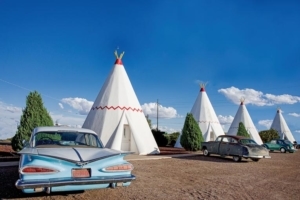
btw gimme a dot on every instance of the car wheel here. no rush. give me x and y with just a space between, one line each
255 159
205 152
236 158
282 150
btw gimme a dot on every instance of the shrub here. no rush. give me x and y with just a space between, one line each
161 138
173 138
191 137
242 131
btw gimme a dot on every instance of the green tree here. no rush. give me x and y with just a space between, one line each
268 135
242 130
191 137
34 114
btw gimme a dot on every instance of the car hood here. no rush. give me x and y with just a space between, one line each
75 154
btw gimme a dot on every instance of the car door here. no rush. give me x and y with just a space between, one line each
272 145
234 147
224 145
279 144
214 146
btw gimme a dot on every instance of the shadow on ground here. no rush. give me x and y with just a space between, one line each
213 158
9 176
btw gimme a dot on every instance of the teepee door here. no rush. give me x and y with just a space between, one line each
126 138
212 136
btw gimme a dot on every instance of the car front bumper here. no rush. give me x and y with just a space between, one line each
56 182
258 157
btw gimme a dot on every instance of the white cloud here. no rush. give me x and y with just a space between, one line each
225 119
9 120
166 129
282 99
61 105
297 131
82 105
258 98
163 112
71 121
294 114
13 109
267 123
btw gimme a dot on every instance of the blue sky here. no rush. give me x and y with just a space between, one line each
64 50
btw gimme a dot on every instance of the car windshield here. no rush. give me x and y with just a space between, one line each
66 139
287 142
247 141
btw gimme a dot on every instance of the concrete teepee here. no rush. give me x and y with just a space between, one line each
117 117
206 117
242 115
280 125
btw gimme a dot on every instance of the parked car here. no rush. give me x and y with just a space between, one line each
236 146
67 159
280 145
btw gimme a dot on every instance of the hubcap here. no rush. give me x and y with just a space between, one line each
205 152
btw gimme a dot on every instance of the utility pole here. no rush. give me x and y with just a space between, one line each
157 115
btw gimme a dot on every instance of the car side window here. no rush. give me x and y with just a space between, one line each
273 142
219 139
225 139
87 139
233 140
93 141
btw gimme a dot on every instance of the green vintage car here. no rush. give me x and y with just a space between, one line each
280 145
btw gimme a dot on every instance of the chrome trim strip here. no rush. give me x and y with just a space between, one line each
74 161
56 182
246 156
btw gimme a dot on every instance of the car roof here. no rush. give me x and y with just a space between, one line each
62 128
235 137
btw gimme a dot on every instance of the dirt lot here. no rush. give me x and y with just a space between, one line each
196 177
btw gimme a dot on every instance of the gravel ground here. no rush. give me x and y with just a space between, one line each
196 177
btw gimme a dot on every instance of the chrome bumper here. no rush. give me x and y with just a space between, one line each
247 156
55 182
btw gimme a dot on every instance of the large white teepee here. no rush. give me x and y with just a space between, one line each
117 117
177 144
205 116
242 115
280 125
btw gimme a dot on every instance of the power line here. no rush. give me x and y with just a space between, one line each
27 89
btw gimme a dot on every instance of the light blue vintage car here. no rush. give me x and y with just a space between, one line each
66 159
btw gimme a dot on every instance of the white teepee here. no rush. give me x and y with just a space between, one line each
242 115
206 117
117 117
281 126
177 144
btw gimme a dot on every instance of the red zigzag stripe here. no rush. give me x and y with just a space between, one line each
117 107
